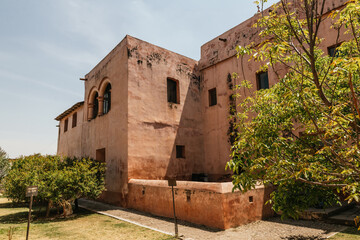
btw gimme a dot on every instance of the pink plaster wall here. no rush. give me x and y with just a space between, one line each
110 131
218 60
142 129
243 34
156 126
210 204
69 142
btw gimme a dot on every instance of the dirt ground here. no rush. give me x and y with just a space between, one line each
271 229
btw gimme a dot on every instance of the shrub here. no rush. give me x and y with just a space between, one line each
4 164
60 180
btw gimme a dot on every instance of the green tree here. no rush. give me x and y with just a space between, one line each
4 164
60 180
302 134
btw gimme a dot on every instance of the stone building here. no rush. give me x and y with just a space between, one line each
151 114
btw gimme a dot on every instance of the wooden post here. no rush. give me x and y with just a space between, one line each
29 216
176 226
172 183
31 191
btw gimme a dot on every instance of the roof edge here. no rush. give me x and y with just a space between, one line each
69 110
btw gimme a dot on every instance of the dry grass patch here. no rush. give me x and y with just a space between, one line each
83 225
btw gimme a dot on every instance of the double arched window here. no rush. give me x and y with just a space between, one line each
99 102
107 99
95 106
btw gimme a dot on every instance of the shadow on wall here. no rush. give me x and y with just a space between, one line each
186 157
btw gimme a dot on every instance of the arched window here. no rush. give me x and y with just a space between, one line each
95 106
107 99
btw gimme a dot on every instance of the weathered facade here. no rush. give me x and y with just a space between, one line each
151 114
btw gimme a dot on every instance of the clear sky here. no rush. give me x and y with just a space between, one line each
46 46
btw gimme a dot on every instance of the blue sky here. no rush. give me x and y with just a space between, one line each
46 46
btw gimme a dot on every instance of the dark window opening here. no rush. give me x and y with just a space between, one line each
107 99
188 195
180 151
74 120
173 91
199 177
143 191
100 155
66 125
212 97
262 80
332 50
95 106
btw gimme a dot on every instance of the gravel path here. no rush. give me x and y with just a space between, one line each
271 229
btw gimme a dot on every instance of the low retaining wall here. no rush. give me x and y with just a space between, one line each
210 204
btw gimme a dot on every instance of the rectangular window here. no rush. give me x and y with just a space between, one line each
173 91
66 125
74 120
212 97
262 80
100 155
180 151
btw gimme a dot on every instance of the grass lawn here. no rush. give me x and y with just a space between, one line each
350 233
87 225
83 225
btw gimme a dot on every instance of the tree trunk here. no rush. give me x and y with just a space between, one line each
67 209
48 207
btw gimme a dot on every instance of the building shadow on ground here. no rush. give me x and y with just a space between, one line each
102 207
302 237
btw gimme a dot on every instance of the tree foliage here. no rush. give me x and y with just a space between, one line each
4 164
302 134
60 180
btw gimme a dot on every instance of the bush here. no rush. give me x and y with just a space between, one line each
60 180
4 164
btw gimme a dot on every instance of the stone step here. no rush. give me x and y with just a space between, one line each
346 217
322 214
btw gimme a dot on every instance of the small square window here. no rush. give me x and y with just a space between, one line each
262 80
66 125
212 97
173 91
332 50
180 151
100 155
74 120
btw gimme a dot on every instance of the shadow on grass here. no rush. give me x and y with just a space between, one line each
14 205
352 231
59 218
14 218
301 237
38 217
